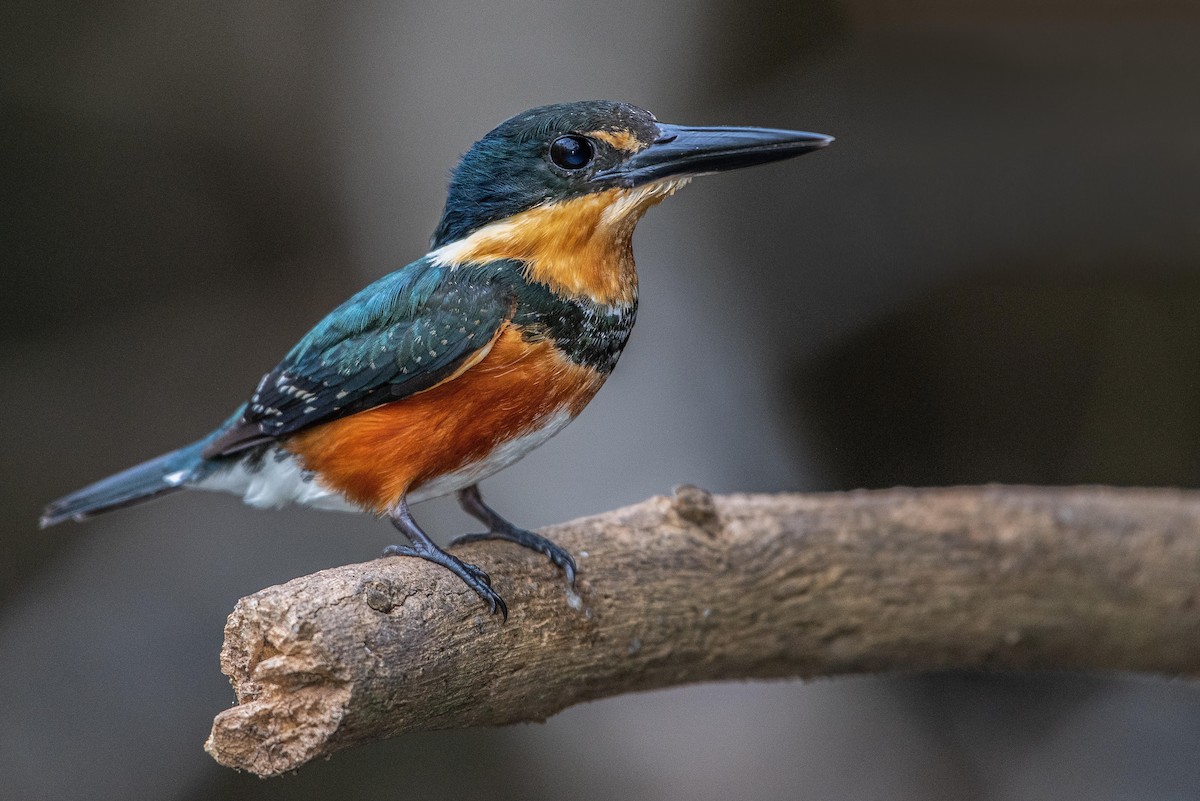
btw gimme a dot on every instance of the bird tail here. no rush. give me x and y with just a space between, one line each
167 473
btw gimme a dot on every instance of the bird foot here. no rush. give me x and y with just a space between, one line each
472 575
535 542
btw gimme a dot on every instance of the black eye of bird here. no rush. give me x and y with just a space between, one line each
572 152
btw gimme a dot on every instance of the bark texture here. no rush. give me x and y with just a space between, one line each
694 588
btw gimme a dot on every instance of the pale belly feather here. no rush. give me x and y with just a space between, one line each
276 478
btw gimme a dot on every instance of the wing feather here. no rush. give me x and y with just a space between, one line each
403 334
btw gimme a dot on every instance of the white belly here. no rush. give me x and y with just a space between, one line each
277 479
501 457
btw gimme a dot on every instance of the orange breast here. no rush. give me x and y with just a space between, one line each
375 457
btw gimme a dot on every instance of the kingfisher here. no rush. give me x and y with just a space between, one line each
455 366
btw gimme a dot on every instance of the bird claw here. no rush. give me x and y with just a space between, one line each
472 575
478 573
535 542
479 581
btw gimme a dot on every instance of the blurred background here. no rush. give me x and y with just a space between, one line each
992 276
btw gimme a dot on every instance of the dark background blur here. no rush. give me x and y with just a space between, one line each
992 276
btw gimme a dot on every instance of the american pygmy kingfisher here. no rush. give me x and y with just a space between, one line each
457 365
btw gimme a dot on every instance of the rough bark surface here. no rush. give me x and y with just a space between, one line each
697 588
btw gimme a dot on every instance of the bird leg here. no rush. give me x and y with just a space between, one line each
500 529
424 548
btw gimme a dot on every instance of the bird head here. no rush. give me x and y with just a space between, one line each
558 153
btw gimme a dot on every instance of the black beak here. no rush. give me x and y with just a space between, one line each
684 151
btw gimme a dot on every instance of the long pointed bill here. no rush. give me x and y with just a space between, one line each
685 151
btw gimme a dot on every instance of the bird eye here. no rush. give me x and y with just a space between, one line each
572 152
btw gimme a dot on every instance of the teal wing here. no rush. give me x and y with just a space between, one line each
402 334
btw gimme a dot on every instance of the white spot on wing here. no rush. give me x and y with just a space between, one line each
176 478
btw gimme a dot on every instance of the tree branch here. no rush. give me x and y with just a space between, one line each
696 588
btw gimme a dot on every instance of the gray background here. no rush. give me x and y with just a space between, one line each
991 277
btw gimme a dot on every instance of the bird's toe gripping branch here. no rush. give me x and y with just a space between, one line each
501 529
472 575
424 548
535 542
